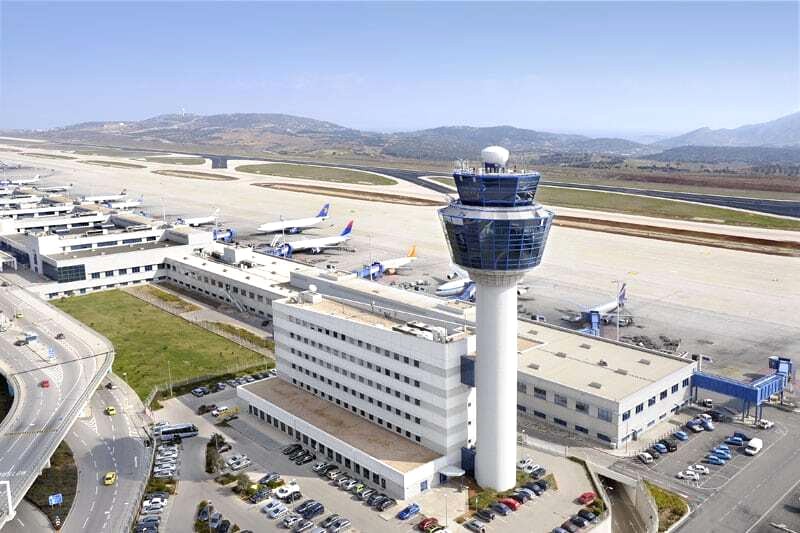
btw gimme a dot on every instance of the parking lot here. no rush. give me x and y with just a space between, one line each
263 446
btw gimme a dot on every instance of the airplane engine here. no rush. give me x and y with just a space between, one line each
316 250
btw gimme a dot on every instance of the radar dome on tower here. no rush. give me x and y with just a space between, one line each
496 156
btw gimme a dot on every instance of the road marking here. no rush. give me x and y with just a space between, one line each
20 522
779 500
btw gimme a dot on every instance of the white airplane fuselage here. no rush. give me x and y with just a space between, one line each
288 225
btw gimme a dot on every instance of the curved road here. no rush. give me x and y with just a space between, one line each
41 417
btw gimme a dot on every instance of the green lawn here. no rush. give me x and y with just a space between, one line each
671 507
176 160
62 476
194 175
170 299
115 164
651 207
145 338
47 156
113 152
311 172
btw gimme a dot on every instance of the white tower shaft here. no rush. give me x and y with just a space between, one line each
496 381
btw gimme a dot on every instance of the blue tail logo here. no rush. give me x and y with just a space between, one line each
324 211
347 229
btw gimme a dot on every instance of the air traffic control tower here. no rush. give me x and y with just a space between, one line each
497 232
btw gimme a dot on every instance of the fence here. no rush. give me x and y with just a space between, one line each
130 517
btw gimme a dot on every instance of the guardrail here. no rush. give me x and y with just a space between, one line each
130 519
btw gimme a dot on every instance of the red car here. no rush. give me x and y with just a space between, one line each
426 523
510 503
45 384
587 498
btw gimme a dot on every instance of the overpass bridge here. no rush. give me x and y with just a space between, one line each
40 417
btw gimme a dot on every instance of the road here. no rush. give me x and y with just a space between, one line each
41 417
103 443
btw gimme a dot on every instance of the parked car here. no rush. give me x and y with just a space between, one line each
700 469
291 449
486 514
474 525
342 524
501 509
669 444
205 513
408 512
691 475
304 525
695 426
290 520
707 424
425 523
522 463
366 494
329 520
660 448
215 520
536 488
724 454
716 416
569 526
270 505
741 435
681 435
313 510
539 473
734 441
645 458
714 460
388 503
305 459
587 515
197 392
269 477
279 511
520 497
287 489
764 424
579 521
319 466
510 503
529 492
224 526
587 498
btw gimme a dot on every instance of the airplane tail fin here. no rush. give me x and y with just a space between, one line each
324 211
347 229
622 296
413 251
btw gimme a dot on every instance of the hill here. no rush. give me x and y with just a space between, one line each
288 134
749 155
784 131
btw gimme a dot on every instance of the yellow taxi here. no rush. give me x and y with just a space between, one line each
110 478
111 410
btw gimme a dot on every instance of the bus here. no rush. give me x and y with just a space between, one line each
173 432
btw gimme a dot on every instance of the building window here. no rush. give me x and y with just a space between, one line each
651 401
540 414
560 400
539 393
603 437
581 407
521 387
560 422
639 408
663 394
604 414
674 388
686 382
581 429
522 408
626 415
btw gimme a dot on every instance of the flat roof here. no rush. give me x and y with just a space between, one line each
589 364
338 309
381 444
110 250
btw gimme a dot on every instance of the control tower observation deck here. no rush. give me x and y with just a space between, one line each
497 232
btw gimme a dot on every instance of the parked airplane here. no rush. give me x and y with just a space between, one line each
314 246
388 266
460 285
124 204
21 181
199 221
608 311
54 188
297 225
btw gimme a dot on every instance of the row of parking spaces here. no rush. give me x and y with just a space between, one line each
154 507
705 459
199 392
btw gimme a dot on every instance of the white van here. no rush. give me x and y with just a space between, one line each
753 446
645 457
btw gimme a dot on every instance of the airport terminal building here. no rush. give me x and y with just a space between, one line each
377 379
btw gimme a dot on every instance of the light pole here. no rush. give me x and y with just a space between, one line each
619 304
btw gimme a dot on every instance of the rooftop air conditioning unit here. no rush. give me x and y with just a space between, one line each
621 371
644 361
595 385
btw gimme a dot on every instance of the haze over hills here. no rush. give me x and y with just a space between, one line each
254 133
784 131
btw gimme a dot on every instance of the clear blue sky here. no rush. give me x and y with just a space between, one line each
581 67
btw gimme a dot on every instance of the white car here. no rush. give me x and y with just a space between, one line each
235 459
155 500
270 505
349 484
279 511
239 465
291 519
645 457
765 424
700 469
287 489
690 475
522 463
531 468
215 413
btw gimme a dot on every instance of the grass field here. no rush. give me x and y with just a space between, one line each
194 175
62 476
310 172
176 160
652 207
176 302
671 507
114 164
112 152
48 156
146 339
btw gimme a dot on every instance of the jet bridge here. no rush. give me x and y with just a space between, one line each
752 394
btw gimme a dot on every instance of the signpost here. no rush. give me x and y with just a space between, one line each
55 499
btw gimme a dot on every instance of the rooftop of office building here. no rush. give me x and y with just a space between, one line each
379 443
109 250
589 364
